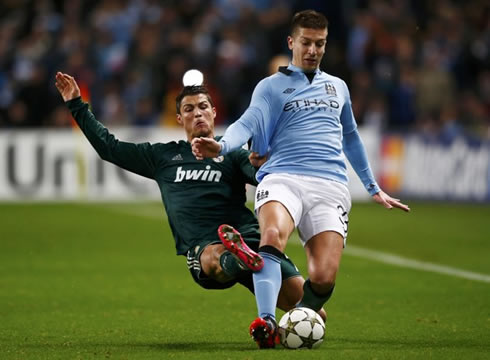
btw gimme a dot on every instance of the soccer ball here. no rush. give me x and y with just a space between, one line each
301 328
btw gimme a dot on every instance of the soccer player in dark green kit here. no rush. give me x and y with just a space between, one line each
199 195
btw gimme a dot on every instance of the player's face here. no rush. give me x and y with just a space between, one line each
197 116
308 47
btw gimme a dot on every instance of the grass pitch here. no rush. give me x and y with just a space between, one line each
102 281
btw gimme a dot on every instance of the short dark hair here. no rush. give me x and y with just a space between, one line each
192 90
309 19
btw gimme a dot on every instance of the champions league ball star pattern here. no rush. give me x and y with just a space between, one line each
301 328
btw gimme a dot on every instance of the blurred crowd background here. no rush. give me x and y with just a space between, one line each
411 65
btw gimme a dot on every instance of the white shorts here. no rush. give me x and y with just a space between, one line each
315 204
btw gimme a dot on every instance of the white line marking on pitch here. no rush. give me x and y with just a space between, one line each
351 250
414 264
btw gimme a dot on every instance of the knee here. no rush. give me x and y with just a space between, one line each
211 266
209 262
323 282
291 293
271 236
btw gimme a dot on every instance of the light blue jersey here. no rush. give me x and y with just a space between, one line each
303 126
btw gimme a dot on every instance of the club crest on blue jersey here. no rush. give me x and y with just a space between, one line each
330 89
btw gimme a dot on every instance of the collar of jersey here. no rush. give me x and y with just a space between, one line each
298 69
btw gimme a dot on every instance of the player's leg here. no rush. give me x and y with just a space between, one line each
215 259
323 253
232 258
324 228
234 243
213 267
276 225
291 288
278 208
291 294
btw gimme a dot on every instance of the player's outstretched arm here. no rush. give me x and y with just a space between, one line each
204 147
137 158
388 202
67 86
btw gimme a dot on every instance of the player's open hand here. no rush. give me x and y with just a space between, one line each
256 160
67 86
204 147
388 202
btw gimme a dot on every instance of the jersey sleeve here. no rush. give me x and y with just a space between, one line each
354 148
256 123
137 158
347 116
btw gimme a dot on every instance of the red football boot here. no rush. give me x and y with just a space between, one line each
233 242
264 332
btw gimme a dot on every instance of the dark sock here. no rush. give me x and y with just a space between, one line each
312 299
231 265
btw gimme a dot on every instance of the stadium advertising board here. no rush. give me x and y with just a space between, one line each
57 165
415 167
61 165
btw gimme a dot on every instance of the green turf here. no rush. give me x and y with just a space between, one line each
101 281
457 235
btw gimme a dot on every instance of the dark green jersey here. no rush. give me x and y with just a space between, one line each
199 195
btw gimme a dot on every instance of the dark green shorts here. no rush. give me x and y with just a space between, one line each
288 269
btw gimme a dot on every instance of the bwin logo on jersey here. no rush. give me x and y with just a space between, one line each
262 194
203 175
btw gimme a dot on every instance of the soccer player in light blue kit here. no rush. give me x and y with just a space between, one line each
302 118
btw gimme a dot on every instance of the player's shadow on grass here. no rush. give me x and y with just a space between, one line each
199 346
182 346
362 343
